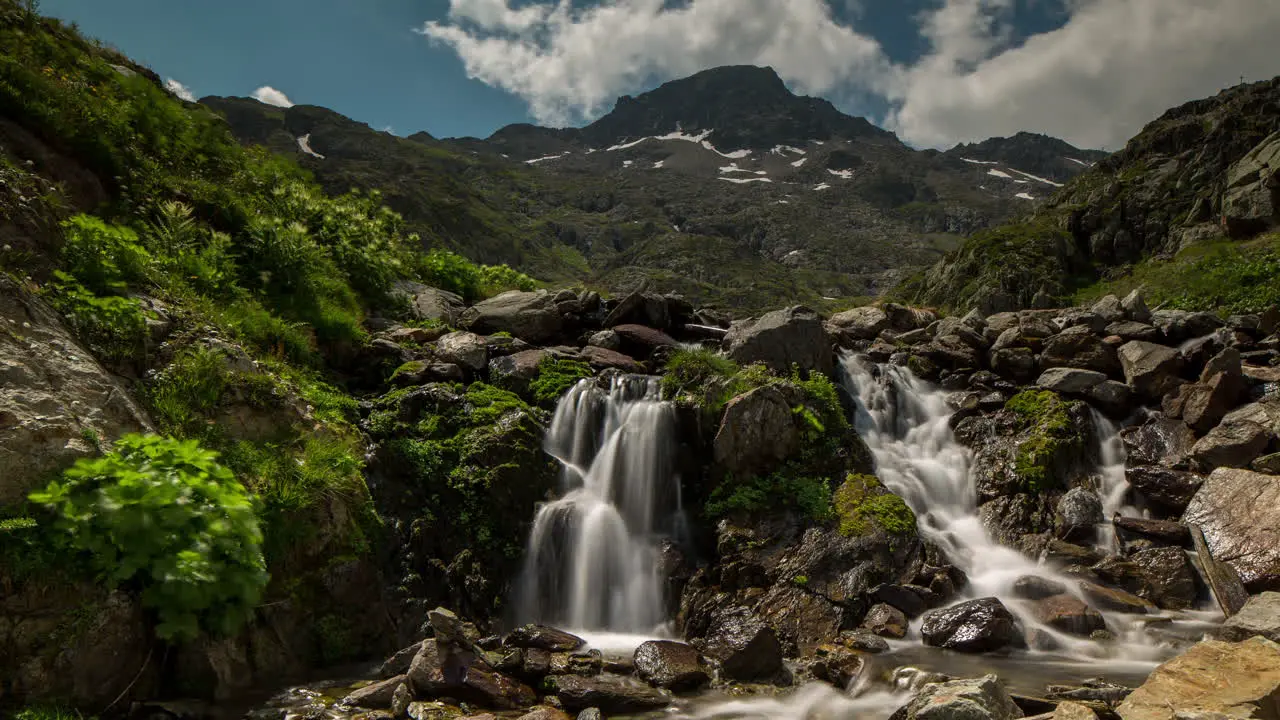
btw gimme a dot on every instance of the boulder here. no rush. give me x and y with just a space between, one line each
1017 364
1165 532
1079 512
978 699
1068 710
1166 490
746 648
641 308
611 694
543 638
464 349
757 431
1070 381
1078 347
1150 369
1251 201
780 339
398 664
641 341
1130 330
905 319
905 598
515 372
1260 616
886 621
1212 679
837 665
606 339
441 670
1034 587
1242 436
375 696
672 665
1135 307
430 304
1170 576
1069 614
861 323
1202 405
601 359
1114 599
1160 441
864 642
1109 308
1239 513
530 316
976 626
543 712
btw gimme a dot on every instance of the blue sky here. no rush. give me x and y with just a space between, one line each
934 71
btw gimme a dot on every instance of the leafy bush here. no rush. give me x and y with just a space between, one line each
104 258
778 491
450 271
496 279
692 370
165 516
555 377
114 328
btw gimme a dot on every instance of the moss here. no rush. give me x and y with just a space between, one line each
1044 417
413 367
771 493
555 377
862 499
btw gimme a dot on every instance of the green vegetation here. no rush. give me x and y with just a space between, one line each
770 493
555 377
862 500
453 272
166 516
1222 276
1051 437
50 713
698 372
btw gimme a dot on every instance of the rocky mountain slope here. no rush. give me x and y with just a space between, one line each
723 186
1199 179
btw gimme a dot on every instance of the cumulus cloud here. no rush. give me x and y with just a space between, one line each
1112 65
271 96
179 90
570 63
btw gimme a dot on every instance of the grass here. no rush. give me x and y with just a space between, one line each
1221 276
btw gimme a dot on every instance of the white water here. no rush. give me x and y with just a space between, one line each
904 422
593 560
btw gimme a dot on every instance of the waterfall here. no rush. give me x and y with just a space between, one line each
593 558
905 423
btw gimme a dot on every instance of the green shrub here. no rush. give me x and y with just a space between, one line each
106 259
166 517
495 279
693 370
450 271
270 334
555 377
114 327
778 491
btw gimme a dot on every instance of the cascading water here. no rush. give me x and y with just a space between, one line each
592 562
905 422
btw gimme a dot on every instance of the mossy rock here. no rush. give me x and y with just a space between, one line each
1054 434
862 504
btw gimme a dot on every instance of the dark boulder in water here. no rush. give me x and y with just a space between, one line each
976 626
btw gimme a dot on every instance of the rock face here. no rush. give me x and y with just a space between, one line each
976 626
672 665
757 431
1171 577
55 396
1150 369
530 316
980 699
428 303
1214 678
1259 616
1239 512
780 339
1251 202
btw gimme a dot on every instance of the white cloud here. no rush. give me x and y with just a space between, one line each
179 90
271 96
1113 66
569 64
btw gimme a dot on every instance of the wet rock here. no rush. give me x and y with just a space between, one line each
545 713
1117 572
863 642
1170 576
1259 616
979 699
1079 512
747 649
906 599
464 349
1034 587
757 431
530 316
1164 532
1070 381
428 303
1069 614
976 626
602 359
837 665
1017 363
610 694
1239 513
1224 679
1160 441
376 696
1168 491
780 339
1114 599
1008 518
1078 347
543 638
1150 369
861 323
1068 710
441 670
515 372
1241 437
803 620
428 711
639 341
885 621
590 714
672 665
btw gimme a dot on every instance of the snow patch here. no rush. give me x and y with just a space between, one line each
735 155
1038 179
733 167
980 162
624 146
842 174
1024 196
740 181
535 161
678 135
782 202
821 186
1000 174
304 144
1079 162
628 163
799 162
818 142
782 149
659 164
